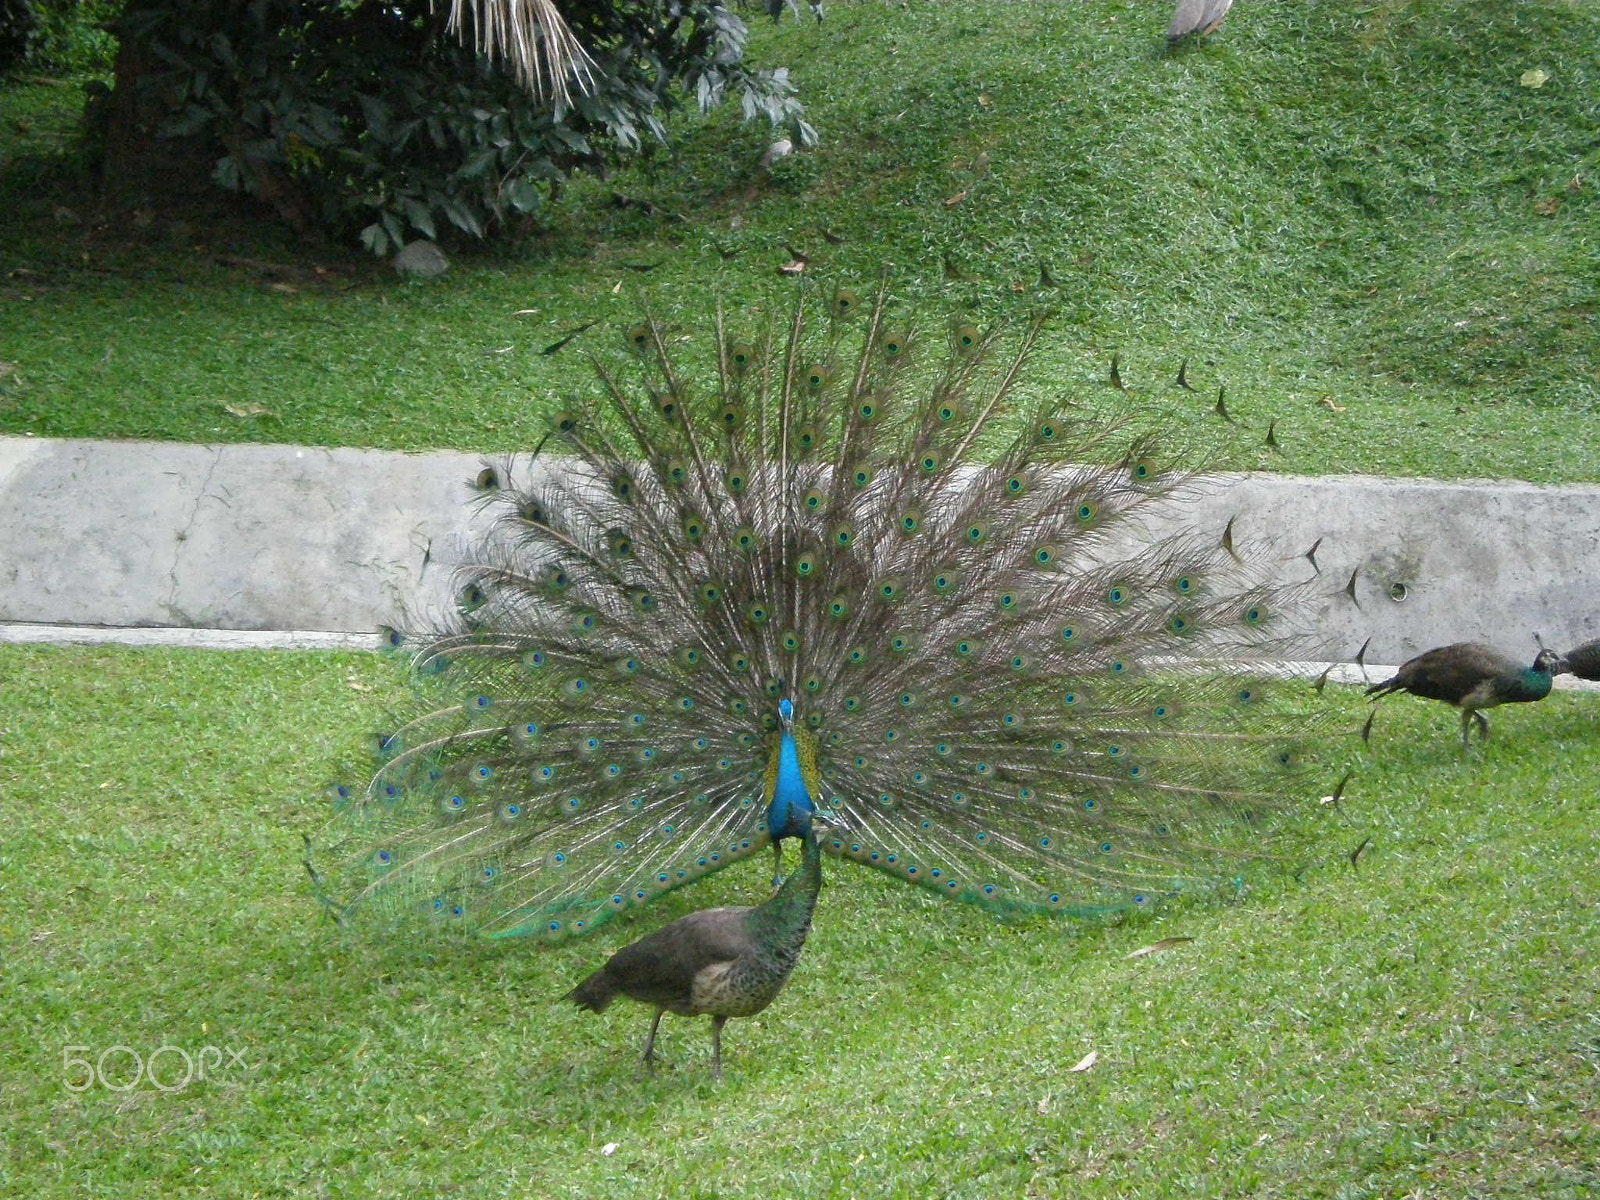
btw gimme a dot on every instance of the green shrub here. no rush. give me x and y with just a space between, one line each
371 120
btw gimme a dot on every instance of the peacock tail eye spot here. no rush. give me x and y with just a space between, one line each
1016 485
861 477
931 464
1119 667
566 422
391 637
688 656
693 528
1183 584
889 590
806 437
677 472
852 704
622 486
731 418
1071 699
667 406
736 482
757 614
791 641
957 700
639 337
855 656
812 684
948 413
977 532
1087 512
901 643
843 536
966 648
966 337
1159 712
844 302
805 565
1178 623
472 597
1006 601
908 699
894 345
738 662
710 593
1069 634
1091 805
1256 614
744 538
867 410
1117 595
815 501
910 521
742 355
839 608
1046 433
944 582
1046 555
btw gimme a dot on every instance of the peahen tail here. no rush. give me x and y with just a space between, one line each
1016 695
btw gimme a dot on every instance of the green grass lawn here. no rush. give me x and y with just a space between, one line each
1360 218
1423 1024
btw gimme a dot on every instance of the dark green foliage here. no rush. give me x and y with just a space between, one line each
371 117
57 37
18 27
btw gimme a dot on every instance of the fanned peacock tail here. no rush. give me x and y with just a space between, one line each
1014 694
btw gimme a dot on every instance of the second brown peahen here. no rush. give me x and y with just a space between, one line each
1472 677
837 547
1582 660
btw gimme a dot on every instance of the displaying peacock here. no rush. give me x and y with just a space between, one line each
992 669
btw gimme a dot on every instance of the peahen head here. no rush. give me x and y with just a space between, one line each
793 783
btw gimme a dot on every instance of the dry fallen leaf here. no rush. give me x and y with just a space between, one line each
1548 208
952 201
983 99
1158 947
1327 403
1084 1063
1534 78
247 410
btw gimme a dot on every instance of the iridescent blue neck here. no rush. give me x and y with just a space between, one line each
789 814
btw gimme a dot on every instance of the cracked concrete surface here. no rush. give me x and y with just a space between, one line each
249 537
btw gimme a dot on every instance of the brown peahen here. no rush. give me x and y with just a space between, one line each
1203 17
725 962
1582 661
846 552
1472 677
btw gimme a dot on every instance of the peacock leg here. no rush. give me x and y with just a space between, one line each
650 1042
716 1046
1483 725
777 863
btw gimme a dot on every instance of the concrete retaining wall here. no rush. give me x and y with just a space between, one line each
294 538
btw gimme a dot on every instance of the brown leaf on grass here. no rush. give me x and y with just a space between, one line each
247 410
952 201
1158 947
1327 403
1548 208
1084 1063
1534 78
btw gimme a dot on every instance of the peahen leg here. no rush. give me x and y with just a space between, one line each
716 1046
650 1042
1483 724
